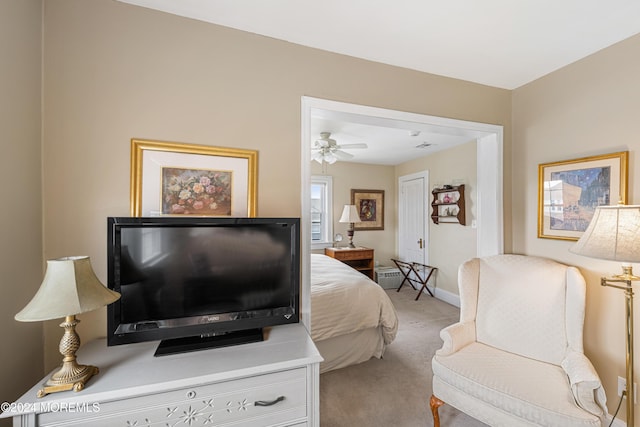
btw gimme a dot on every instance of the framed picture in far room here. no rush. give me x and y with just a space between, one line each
569 192
370 206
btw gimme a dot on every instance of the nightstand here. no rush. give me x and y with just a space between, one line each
359 258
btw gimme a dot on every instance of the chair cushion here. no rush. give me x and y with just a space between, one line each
535 391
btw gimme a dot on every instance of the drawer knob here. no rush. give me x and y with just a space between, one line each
191 394
267 402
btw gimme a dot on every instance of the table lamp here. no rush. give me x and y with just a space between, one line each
614 234
69 287
350 215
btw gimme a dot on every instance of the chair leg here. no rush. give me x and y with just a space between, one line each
435 403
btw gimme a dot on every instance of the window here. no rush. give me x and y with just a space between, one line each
321 211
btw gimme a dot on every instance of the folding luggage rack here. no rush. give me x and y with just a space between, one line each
416 274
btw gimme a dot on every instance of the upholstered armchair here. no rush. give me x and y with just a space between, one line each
515 358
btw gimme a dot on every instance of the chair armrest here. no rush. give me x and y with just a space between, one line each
585 383
456 336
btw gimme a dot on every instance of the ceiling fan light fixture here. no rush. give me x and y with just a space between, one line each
330 158
317 156
327 149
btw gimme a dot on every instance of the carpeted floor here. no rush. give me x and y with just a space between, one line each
395 390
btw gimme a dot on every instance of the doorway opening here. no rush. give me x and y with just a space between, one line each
489 140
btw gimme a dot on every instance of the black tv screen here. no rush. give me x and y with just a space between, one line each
202 281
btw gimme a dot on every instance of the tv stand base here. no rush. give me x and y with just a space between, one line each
187 344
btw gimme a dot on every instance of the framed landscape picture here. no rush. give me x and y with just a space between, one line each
570 190
370 206
176 179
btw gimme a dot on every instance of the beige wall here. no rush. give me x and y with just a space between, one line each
115 71
590 107
450 244
21 363
348 176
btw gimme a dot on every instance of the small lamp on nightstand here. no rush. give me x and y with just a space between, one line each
69 287
350 215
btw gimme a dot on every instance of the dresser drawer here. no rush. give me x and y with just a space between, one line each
272 399
349 255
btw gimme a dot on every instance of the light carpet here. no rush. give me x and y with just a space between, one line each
394 391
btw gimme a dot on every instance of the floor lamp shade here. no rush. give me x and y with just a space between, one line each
613 234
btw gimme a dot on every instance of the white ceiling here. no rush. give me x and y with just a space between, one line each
389 142
500 43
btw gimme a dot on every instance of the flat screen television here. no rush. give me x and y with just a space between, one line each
200 282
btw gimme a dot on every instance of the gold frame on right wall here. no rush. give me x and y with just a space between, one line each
569 191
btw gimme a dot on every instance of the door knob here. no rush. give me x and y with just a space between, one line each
420 243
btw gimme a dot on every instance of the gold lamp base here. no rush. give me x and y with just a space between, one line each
71 376
626 278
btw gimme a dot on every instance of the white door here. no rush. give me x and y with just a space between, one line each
412 214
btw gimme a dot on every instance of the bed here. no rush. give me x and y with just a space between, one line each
352 318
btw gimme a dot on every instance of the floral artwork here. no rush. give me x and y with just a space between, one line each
196 191
173 178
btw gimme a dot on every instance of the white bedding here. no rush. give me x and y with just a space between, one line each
344 300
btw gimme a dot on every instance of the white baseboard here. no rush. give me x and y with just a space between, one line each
445 296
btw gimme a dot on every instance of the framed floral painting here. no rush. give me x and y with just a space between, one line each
569 192
170 178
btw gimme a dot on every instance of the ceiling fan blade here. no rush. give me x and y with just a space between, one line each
360 145
342 155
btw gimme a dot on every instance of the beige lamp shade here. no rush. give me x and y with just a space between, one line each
350 214
613 234
69 287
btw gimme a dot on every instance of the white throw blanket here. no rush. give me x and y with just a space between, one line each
344 300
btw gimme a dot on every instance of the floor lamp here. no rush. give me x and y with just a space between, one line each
614 234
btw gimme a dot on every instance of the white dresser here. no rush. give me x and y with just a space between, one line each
270 383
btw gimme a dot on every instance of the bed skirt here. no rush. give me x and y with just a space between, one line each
349 349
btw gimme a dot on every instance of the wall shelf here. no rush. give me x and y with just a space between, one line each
448 205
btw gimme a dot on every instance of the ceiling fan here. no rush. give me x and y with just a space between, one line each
327 149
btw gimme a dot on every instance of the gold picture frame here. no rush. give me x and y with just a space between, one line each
569 191
370 206
159 169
